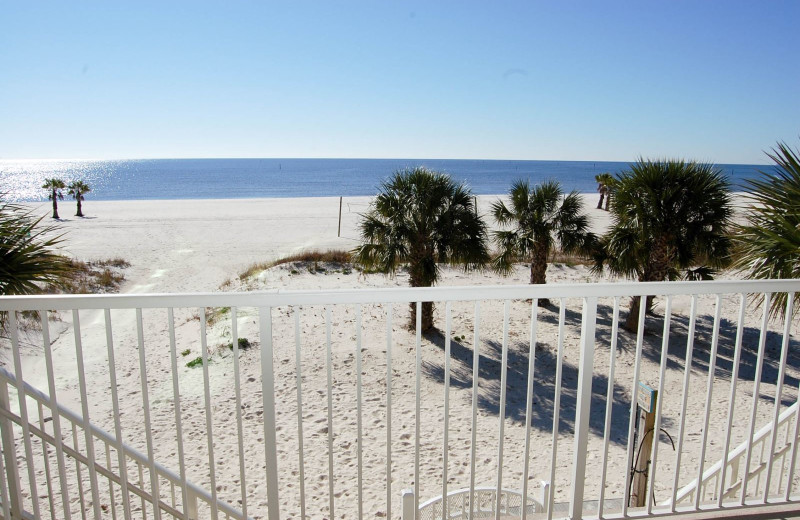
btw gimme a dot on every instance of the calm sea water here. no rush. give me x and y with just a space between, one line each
250 178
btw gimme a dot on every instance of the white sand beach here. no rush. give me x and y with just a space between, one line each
197 245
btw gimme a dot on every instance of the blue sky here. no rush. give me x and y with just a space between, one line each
712 80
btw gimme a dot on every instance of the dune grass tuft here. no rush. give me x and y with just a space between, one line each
337 256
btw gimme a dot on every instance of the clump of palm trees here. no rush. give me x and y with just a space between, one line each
671 219
76 190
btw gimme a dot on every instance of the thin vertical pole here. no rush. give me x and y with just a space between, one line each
329 366
737 354
389 410
609 405
529 407
712 367
446 422
51 384
268 399
502 410
14 498
359 413
634 396
147 423
584 401
475 384
339 232
176 396
756 384
659 400
778 393
45 456
418 395
299 375
556 406
686 375
23 412
239 427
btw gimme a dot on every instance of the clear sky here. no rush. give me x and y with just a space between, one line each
709 80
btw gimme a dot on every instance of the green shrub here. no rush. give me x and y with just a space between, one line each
244 344
196 362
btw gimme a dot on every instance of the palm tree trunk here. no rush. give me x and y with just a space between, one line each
656 270
55 204
79 213
608 199
418 279
600 202
539 270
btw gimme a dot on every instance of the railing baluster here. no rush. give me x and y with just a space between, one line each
779 392
12 498
141 486
389 411
147 424
609 405
556 405
23 412
45 456
502 411
737 355
634 403
301 458
238 393
111 493
176 396
56 417
756 385
529 406
476 342
209 417
661 376
268 398
78 472
359 414
712 368
329 366
446 422
583 403
687 370
418 398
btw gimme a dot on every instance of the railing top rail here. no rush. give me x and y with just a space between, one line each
281 297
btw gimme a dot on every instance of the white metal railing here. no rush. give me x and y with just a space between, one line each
62 463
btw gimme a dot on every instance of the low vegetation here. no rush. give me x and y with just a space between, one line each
315 257
94 277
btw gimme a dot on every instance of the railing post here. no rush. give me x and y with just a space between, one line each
545 495
268 400
584 400
191 505
408 504
10 453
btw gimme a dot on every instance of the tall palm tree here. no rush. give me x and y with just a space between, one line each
76 191
667 216
27 258
422 218
605 182
768 245
540 217
54 186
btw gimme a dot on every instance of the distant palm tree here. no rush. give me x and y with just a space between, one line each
76 190
540 217
605 182
54 186
667 216
768 245
27 258
422 218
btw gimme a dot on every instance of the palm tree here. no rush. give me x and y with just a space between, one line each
605 182
27 258
667 216
422 218
76 191
768 245
54 186
540 217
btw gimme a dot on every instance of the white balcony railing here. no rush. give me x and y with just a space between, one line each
339 410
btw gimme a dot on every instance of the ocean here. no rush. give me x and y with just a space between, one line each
149 179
